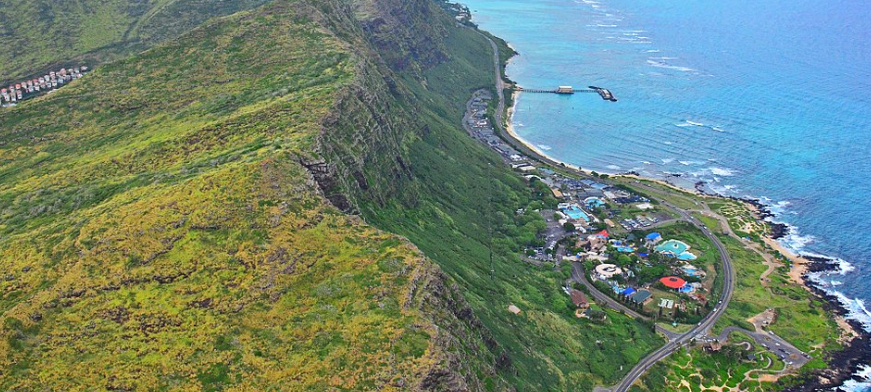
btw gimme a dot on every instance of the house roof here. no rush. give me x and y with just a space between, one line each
673 282
653 236
628 291
641 296
578 298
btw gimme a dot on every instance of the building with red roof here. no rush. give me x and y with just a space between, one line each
673 282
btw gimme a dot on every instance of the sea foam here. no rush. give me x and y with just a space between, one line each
660 64
719 171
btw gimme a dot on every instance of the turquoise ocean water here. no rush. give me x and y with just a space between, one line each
769 100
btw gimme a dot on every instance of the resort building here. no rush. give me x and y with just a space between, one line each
607 271
673 282
653 238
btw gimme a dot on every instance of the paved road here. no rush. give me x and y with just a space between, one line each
578 275
704 326
728 273
500 84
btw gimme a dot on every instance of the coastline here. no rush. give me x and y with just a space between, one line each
844 364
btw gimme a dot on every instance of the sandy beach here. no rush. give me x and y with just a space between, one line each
799 263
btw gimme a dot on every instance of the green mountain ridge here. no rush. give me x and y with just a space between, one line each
282 199
159 233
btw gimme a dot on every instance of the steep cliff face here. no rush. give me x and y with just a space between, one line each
165 223
363 149
394 152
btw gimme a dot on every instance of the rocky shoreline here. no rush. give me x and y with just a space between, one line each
845 363
763 211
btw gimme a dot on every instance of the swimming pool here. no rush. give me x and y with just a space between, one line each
686 256
673 246
576 212
593 202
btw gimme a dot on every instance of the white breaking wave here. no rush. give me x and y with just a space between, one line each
688 123
666 161
718 171
659 64
863 385
613 167
856 309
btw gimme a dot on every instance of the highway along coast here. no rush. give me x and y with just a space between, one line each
731 227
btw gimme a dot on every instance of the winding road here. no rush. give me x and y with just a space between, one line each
727 271
705 325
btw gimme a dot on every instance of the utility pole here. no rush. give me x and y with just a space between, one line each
489 227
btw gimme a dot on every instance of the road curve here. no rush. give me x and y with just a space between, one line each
728 273
706 323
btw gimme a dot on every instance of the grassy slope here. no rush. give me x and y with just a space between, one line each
157 232
801 318
38 34
461 191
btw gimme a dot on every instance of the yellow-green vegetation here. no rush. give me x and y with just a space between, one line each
740 217
457 202
740 366
158 230
38 34
800 316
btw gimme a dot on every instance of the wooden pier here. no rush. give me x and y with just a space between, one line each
603 92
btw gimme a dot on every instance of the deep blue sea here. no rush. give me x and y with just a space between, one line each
763 99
